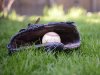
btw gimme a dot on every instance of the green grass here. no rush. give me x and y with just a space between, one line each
83 61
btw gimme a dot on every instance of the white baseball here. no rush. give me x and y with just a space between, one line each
51 37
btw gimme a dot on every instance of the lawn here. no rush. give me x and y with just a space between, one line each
83 61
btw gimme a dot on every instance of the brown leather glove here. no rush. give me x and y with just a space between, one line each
70 38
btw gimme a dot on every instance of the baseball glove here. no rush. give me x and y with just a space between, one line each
70 38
